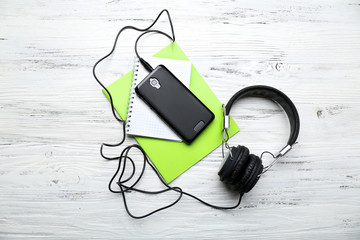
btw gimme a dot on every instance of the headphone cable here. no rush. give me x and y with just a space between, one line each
124 156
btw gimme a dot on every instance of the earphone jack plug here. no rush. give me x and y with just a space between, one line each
146 65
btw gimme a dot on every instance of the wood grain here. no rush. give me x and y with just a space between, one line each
53 118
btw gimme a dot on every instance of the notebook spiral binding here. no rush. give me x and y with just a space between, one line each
132 94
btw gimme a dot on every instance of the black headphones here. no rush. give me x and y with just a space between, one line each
241 170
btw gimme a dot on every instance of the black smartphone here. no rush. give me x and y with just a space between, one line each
174 103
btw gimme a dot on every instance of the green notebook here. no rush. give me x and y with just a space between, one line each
173 158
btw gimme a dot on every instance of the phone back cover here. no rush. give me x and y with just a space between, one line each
175 104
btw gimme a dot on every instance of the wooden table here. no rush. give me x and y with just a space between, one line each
53 118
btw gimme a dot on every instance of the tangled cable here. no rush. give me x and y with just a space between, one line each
124 157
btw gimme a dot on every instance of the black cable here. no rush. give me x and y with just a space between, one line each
124 188
113 49
123 158
143 62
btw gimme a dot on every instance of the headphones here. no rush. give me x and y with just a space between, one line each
241 170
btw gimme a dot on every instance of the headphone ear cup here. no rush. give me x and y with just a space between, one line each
240 177
250 177
231 164
240 166
241 170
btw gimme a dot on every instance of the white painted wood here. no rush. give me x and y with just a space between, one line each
53 118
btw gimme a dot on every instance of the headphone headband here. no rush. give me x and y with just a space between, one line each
275 95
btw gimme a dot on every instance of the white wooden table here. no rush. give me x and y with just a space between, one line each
53 118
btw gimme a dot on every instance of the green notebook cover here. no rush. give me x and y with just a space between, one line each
173 158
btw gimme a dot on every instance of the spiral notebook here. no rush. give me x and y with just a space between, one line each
141 120
172 158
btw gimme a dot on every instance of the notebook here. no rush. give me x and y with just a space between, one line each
172 158
140 119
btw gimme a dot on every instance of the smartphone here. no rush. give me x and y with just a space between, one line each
174 103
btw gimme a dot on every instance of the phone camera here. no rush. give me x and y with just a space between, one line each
154 83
